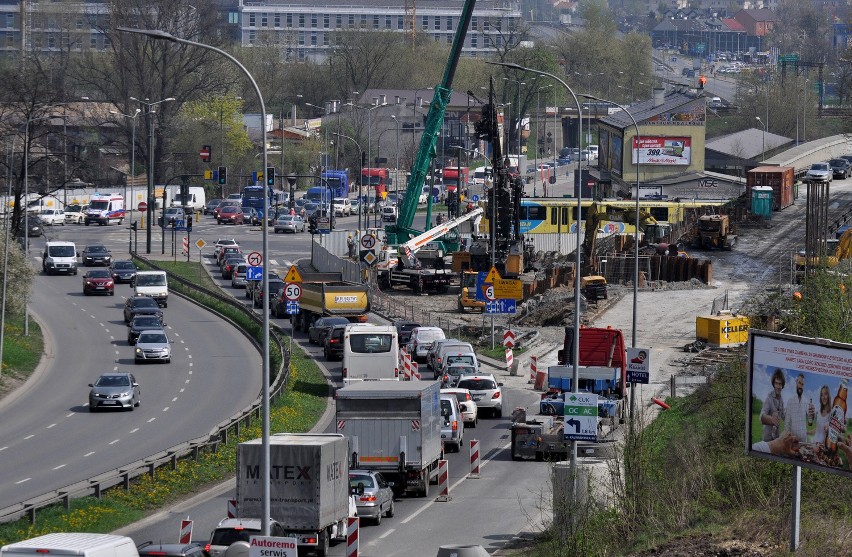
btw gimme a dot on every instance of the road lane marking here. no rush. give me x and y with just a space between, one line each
174 399
50 426
60 466
392 530
181 390
134 430
71 414
22 481
114 442
151 420
29 437
4 448
89 454
166 409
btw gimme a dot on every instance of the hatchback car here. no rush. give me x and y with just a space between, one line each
289 223
143 323
373 495
96 254
227 251
452 423
238 275
468 407
114 390
122 270
839 168
452 374
230 214
153 346
221 243
250 216
333 344
228 264
212 204
403 330
389 213
486 392
98 281
141 305
34 225
321 327
820 172
151 549
232 530
223 204
171 216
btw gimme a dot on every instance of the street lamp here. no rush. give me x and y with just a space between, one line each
325 109
265 467
369 110
518 112
763 152
537 137
132 173
149 117
396 165
361 202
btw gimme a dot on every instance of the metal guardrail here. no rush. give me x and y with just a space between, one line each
122 476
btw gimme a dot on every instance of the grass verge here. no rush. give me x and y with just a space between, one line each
21 354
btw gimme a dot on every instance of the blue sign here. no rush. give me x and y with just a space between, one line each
180 224
480 282
254 273
638 377
293 308
501 306
475 198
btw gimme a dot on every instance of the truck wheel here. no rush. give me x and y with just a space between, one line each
323 543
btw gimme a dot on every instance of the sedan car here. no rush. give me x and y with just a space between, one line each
373 495
143 323
321 327
212 204
171 216
486 392
251 216
403 330
141 305
34 227
114 390
289 223
333 344
230 214
153 346
98 281
469 410
226 252
228 264
839 168
122 270
96 254
452 374
223 204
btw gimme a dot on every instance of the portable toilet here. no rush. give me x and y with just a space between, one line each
761 201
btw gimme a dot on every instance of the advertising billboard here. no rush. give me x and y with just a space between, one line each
662 150
797 401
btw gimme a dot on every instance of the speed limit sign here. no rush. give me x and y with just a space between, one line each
293 292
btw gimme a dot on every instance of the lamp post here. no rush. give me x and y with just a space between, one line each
132 172
537 137
518 113
361 202
396 165
149 118
265 467
369 110
763 151
575 364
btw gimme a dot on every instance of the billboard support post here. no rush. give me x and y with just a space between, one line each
797 508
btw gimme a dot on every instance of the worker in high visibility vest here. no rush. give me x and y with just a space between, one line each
701 82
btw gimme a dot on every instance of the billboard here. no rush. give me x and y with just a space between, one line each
662 150
796 410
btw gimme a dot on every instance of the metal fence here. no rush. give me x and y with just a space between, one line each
192 448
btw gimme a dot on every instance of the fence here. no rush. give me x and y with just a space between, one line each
122 476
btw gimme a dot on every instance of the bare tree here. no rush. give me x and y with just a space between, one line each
363 59
804 28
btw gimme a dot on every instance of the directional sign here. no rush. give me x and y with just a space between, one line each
199 243
293 275
254 259
581 417
638 365
293 292
508 288
492 276
254 273
293 308
475 198
500 306
368 241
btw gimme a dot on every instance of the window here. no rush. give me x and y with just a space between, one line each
277 20
400 22
534 213
326 21
234 18
338 21
473 41
437 23
351 20
325 39
559 216
301 38
370 343
388 24
264 20
363 20
314 20
289 20
449 39
93 41
313 39
10 21
425 22
375 22
486 25
449 23
252 19
301 20
474 23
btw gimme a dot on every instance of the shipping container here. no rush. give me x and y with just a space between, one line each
780 178
722 330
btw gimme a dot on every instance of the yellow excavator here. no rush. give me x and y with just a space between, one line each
597 214
841 252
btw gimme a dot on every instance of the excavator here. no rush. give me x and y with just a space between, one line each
597 214
841 252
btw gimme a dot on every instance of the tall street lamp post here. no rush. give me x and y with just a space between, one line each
369 110
132 174
518 114
396 165
537 137
149 117
265 467
763 151
361 204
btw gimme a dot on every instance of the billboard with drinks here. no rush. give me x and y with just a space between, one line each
798 395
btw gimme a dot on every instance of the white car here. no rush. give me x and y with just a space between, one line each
820 172
486 392
52 216
221 243
469 410
75 214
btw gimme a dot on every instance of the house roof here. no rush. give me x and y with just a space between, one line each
761 14
646 109
733 25
746 144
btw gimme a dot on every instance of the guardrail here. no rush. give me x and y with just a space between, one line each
192 448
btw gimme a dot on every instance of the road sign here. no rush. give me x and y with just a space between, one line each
493 276
368 256
638 365
475 198
185 245
293 292
254 273
368 241
508 288
200 243
323 225
205 153
142 206
293 308
480 290
500 306
581 417
180 224
509 338
293 275
265 546
254 258
185 535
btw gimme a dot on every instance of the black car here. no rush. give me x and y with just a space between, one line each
212 204
96 254
143 323
840 168
320 328
34 226
123 270
228 265
141 305
403 330
333 344
151 549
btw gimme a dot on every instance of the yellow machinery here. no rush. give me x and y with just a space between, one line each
596 214
467 292
841 252
723 329
713 231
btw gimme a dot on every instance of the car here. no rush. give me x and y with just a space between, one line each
453 355
333 343
321 327
227 251
232 214
453 373
143 323
432 351
820 172
51 217
452 423
122 270
34 226
75 213
153 346
389 213
221 243
98 281
210 205
141 305
225 203
276 285
238 275
301 203
228 264
373 495
355 206
275 213
151 549
114 390
232 530
96 254
251 285
403 330
839 168
250 216
469 410
486 392
308 209
171 216
289 223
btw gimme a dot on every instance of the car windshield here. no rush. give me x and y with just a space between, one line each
74 209
145 302
100 273
150 280
226 242
228 536
61 251
370 343
458 370
819 167
124 265
477 384
146 322
152 338
96 249
459 360
113 381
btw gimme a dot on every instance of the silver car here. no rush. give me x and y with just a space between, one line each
238 276
486 392
153 346
114 390
373 495
289 223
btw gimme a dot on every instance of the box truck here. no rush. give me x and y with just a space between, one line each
76 544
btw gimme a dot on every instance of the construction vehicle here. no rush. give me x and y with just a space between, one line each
843 250
327 294
596 214
467 292
713 232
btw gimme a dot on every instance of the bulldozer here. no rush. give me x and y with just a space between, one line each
467 292
713 232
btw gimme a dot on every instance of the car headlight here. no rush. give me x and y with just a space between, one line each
127 393
138 350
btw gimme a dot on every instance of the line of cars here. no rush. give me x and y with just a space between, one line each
826 171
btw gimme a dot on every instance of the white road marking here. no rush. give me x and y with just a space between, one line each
151 420
166 409
134 430
190 356
22 481
89 454
114 442
51 425
174 399
392 530
181 390
71 414
28 437
113 338
60 466
4 448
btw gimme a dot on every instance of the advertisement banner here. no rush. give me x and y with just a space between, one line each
662 150
797 401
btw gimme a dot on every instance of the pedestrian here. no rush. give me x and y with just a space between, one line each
350 243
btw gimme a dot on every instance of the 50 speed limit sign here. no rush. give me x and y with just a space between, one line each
293 292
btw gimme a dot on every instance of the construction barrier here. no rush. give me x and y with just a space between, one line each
510 358
185 536
415 372
406 367
533 366
443 480
474 459
232 508
509 338
540 380
352 536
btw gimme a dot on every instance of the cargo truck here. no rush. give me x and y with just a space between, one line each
393 428
309 486
327 294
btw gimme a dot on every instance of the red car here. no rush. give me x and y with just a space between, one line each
98 281
222 205
231 214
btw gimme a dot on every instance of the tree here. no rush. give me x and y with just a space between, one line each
362 59
18 275
803 28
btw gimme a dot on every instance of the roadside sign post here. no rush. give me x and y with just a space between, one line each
200 243
293 295
581 417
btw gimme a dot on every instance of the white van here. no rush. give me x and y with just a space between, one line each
195 200
59 257
342 206
370 353
593 151
154 284
421 340
72 544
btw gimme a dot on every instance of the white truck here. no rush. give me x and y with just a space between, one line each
154 284
309 486
72 544
105 209
195 200
393 427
